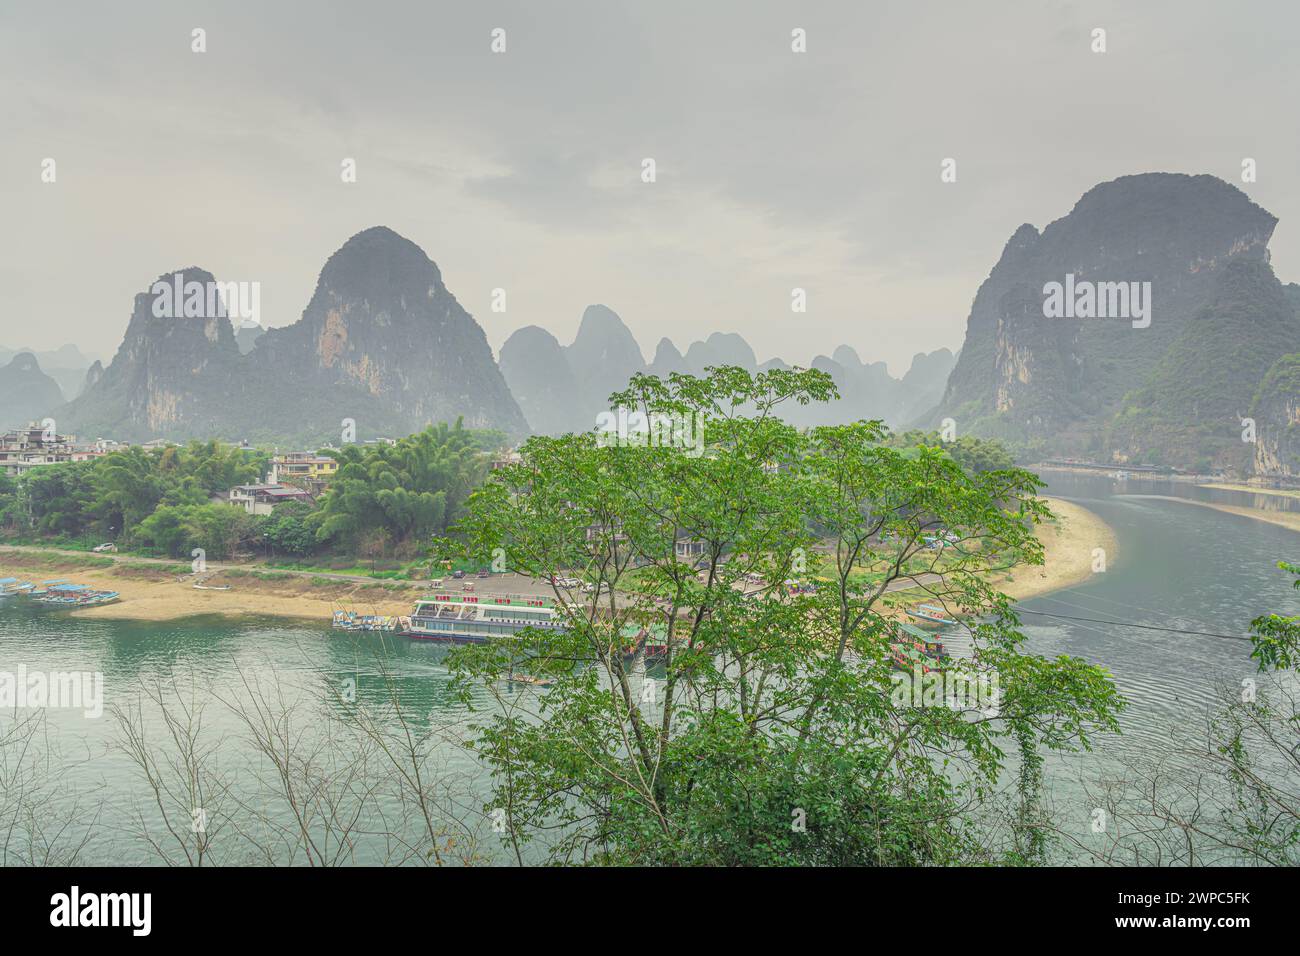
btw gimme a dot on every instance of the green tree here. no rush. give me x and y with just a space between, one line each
289 529
409 489
775 735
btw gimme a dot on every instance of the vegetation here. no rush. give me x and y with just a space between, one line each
398 495
774 734
385 498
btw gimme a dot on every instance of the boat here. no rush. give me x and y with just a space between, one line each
930 615
471 619
922 641
906 657
44 586
656 644
351 621
76 595
14 586
212 587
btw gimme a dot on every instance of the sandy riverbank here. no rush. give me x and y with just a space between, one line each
153 592
1068 545
1283 519
1254 490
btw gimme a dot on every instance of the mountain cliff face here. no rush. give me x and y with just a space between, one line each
171 376
67 365
1276 411
382 342
26 393
1099 385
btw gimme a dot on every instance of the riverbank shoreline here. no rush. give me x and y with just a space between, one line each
1283 519
153 591
1255 489
1069 545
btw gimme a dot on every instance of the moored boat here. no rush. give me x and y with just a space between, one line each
477 619
930 615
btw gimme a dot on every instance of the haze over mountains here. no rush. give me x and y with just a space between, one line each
384 343
561 388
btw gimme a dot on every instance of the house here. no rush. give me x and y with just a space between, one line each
24 448
262 499
308 470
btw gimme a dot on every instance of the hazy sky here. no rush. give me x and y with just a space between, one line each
522 169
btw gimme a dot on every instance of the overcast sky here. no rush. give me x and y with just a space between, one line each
521 170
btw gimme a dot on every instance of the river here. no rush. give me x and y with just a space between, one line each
1191 569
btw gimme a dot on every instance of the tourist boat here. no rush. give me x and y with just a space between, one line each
906 657
76 595
930 615
633 637
351 621
910 634
471 619
656 644
13 586
44 586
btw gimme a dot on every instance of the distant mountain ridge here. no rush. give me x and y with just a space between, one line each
26 392
67 365
562 388
382 343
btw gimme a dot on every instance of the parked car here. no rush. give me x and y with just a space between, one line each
436 582
467 586
483 574
458 574
106 546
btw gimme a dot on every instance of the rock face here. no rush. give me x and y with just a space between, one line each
1276 411
172 376
26 393
246 336
1101 386
382 342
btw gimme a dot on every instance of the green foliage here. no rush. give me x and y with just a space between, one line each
400 494
220 530
110 496
1277 638
773 736
973 454
290 528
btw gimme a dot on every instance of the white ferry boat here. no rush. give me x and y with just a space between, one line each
476 619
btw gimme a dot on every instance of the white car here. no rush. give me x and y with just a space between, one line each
107 546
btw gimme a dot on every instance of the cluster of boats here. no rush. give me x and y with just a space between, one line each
915 645
470 619
58 592
352 621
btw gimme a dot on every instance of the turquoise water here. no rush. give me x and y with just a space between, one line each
1177 566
